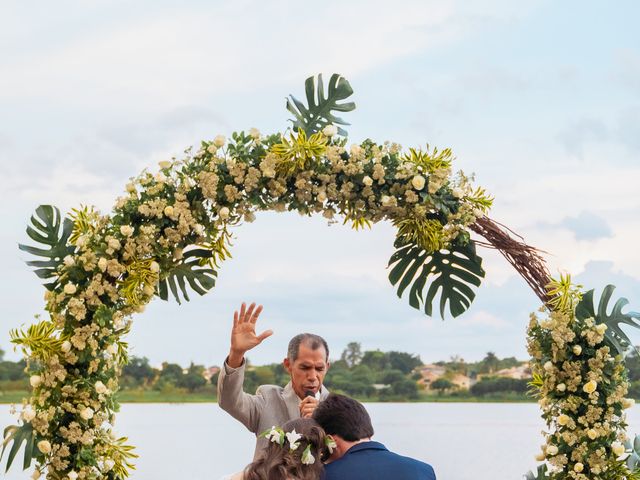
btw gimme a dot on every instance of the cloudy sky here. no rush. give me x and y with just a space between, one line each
540 99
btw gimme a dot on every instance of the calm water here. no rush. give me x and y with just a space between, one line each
462 441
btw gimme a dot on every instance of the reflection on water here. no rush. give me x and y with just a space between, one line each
463 441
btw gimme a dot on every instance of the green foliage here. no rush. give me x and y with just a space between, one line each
352 354
39 340
614 334
441 384
48 229
189 270
490 385
540 473
84 220
451 272
317 115
18 435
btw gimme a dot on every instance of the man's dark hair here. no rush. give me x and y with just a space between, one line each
310 340
343 416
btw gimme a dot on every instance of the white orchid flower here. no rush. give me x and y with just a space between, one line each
307 458
293 437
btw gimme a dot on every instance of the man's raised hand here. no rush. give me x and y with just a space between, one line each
243 333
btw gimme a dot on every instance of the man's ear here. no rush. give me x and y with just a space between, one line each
287 365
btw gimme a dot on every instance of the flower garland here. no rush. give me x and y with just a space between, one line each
171 231
581 382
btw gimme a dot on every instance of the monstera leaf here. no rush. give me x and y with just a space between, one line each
318 114
49 230
613 321
200 278
451 272
18 435
541 473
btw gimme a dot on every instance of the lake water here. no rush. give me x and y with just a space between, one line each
463 441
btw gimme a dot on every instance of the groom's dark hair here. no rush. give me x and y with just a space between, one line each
343 416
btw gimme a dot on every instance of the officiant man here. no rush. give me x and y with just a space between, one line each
307 362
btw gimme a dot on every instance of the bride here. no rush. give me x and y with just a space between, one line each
295 452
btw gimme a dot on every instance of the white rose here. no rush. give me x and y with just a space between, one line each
561 387
563 419
330 130
28 413
36 474
219 141
126 230
108 464
628 402
386 200
35 380
102 264
540 457
100 387
254 133
164 164
552 450
617 448
592 434
72 475
418 182
590 387
70 289
224 213
66 346
154 267
86 413
69 261
112 349
577 349
131 187
548 366
367 180
457 192
322 196
168 211
44 446
578 467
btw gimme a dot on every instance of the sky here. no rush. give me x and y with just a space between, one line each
540 99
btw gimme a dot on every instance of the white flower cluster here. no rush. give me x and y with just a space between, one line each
582 390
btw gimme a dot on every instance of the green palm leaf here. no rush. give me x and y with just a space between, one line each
451 272
48 229
200 278
19 435
614 320
317 114
540 474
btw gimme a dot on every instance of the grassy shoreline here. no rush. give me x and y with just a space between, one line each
152 396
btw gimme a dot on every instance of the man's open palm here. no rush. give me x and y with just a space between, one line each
243 334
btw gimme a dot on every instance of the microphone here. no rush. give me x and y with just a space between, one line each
309 393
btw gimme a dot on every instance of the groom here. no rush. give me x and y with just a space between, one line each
307 362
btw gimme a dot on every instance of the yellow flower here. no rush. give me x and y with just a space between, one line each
590 387
44 446
418 182
577 349
563 419
578 467
592 434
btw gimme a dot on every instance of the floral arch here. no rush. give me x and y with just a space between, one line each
169 233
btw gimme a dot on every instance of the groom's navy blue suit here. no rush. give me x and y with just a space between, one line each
372 461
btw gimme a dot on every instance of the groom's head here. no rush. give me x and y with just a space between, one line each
345 419
307 362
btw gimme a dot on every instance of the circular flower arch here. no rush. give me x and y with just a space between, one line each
169 233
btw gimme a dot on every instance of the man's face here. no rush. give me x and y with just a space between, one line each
308 370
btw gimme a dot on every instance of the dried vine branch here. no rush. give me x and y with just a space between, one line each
527 260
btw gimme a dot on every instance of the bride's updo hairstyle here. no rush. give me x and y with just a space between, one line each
280 462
